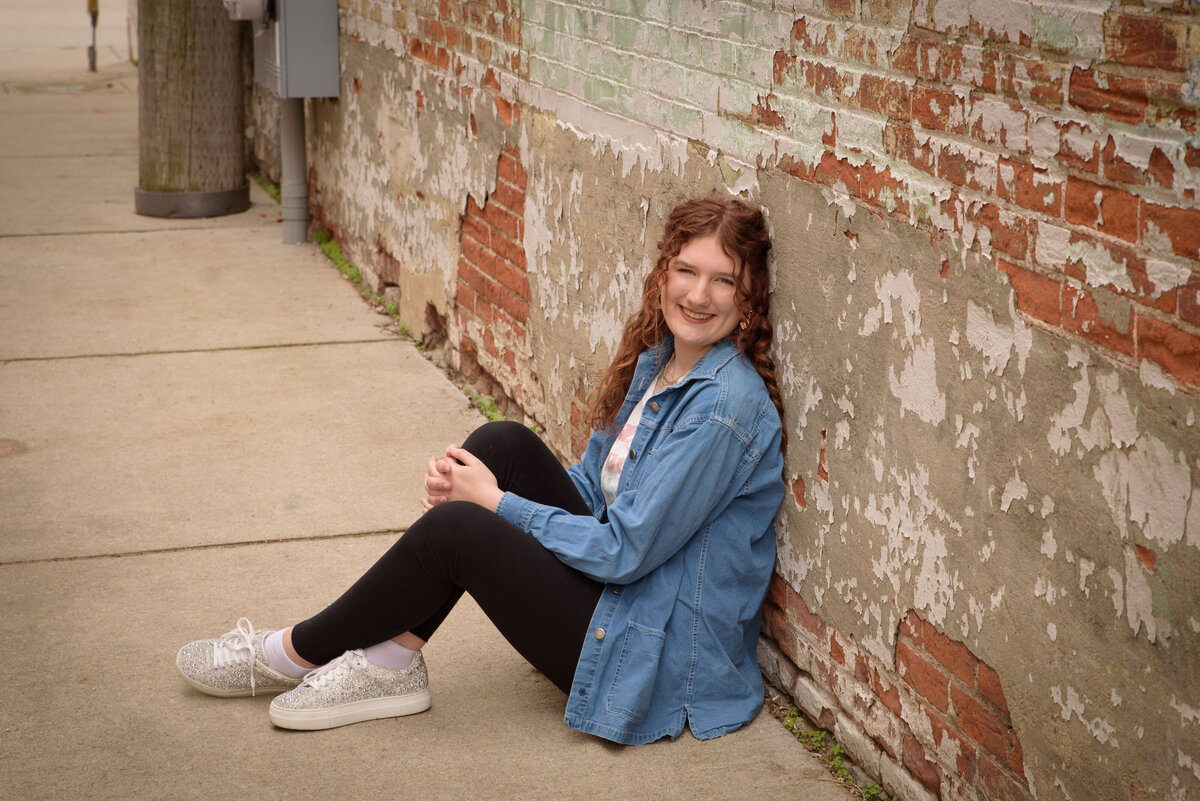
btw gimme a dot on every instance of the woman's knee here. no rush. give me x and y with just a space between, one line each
497 439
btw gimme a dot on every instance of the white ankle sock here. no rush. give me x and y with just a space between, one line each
389 654
278 659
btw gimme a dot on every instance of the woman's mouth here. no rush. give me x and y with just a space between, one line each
695 317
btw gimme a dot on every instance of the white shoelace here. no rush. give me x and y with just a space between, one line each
236 646
319 677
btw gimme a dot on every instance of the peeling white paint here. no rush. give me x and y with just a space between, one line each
915 526
1139 601
917 385
1071 705
1154 376
1049 546
1148 485
1014 490
1071 416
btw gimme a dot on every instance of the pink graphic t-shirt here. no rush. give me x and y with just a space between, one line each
610 474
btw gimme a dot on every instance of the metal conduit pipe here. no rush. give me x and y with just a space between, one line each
294 168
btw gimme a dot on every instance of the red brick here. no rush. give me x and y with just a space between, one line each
951 654
990 689
502 219
509 168
904 58
913 628
506 110
514 306
776 627
1004 35
1159 172
1116 97
1134 266
508 277
1182 227
944 61
920 767
472 250
929 682
943 733
805 617
1189 300
1106 209
1009 237
783 65
1175 350
808 44
1045 86
1016 755
465 297
798 493
886 96
862 671
881 188
889 696
886 11
777 591
1066 151
1026 190
513 252
900 143
1099 316
841 8
828 82
832 171
938 110
509 196
998 785
474 227
1143 38
836 652
979 724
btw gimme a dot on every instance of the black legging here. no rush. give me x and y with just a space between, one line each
540 605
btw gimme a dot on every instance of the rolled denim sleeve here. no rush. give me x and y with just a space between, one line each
694 473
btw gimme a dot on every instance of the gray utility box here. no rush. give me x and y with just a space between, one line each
296 54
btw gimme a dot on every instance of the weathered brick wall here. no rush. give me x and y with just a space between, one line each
987 305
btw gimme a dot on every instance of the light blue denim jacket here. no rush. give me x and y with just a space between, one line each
685 550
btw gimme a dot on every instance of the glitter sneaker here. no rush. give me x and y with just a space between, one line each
350 690
233 664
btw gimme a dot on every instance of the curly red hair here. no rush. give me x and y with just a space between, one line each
742 232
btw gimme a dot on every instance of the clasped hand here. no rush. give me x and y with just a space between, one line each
460 476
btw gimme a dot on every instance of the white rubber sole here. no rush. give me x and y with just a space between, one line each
371 709
238 693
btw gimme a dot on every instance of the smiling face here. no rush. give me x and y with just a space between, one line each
700 298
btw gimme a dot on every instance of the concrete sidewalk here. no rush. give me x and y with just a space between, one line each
198 422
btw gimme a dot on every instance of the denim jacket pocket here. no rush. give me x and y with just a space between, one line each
636 671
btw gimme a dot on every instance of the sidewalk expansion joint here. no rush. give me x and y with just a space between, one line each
186 351
213 546
109 232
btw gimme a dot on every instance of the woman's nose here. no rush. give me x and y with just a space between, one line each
698 293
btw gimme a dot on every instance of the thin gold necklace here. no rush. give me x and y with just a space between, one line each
663 375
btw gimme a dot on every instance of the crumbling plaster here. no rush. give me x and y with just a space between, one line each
395 159
1028 496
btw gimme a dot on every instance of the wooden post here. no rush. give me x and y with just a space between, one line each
190 119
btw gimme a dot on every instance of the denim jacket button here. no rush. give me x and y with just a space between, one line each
632 453
654 406
599 634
